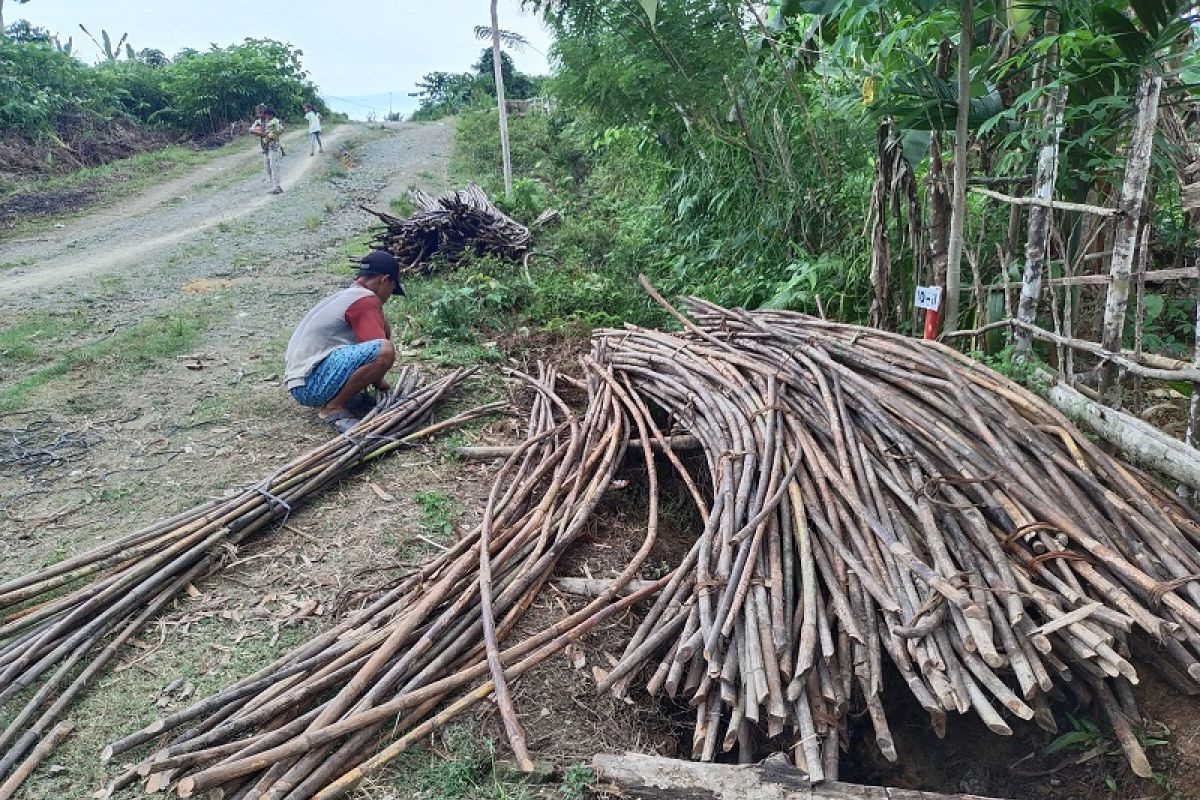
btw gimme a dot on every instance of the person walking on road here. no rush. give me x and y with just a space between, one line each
314 130
269 131
343 346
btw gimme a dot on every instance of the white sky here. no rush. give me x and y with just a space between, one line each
351 47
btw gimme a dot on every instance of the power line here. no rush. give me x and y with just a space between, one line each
353 102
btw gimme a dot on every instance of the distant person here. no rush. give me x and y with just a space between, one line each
269 131
343 345
314 130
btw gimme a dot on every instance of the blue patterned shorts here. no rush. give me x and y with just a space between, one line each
331 374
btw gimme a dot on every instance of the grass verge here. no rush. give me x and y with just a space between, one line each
34 200
135 348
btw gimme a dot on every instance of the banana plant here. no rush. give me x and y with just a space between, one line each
105 45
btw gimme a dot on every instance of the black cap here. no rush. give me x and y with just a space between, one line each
381 262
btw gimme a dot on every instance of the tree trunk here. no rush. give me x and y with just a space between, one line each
1038 238
939 213
939 200
656 778
1187 164
958 209
1139 441
1133 189
499 73
881 257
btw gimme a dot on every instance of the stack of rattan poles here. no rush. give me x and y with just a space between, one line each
861 499
304 726
873 498
61 625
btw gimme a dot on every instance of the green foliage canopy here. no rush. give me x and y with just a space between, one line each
43 87
444 94
210 89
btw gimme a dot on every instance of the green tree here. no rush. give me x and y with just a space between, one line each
213 88
445 93
517 85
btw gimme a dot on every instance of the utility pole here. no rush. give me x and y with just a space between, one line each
506 157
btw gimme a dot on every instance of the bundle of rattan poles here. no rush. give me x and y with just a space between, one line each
873 498
452 224
61 625
861 498
303 726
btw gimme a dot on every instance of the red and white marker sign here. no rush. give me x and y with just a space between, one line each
930 299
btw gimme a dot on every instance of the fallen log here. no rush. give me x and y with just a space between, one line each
1139 441
646 777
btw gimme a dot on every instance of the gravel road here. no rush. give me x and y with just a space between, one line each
220 209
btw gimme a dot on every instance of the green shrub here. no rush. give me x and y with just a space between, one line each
137 88
210 89
477 147
473 300
526 200
38 84
49 96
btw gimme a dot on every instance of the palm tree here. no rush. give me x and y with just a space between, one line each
2 15
504 153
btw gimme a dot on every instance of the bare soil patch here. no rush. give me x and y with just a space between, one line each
78 142
46 202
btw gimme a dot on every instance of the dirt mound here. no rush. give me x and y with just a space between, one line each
79 141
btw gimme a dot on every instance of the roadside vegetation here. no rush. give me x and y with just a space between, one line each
800 157
446 93
69 129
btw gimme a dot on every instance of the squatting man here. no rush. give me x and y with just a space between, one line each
343 346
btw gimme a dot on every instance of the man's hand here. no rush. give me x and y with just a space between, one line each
382 385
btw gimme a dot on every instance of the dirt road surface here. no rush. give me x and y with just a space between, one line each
133 233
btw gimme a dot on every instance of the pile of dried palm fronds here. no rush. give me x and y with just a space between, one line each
862 497
61 625
452 225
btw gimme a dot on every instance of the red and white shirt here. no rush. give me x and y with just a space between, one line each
351 316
